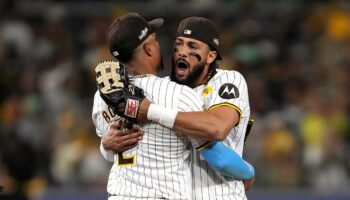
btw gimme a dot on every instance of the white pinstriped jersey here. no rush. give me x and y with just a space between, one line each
160 163
225 88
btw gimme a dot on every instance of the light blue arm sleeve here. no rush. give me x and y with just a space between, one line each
227 162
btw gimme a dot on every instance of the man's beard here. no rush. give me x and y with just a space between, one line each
192 76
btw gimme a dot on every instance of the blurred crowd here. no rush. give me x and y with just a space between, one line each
294 56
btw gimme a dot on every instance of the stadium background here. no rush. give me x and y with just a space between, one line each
294 54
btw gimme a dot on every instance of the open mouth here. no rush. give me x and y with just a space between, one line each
182 67
182 64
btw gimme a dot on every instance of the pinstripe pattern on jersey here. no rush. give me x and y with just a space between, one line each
162 168
102 121
208 184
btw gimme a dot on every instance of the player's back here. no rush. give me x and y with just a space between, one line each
226 88
159 166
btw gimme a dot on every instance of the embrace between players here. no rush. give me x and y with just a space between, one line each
184 134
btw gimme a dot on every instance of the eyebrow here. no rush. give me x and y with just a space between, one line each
188 42
179 40
192 43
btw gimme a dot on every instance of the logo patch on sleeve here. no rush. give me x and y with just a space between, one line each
228 91
207 91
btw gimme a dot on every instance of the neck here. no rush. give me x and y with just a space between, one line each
203 78
140 67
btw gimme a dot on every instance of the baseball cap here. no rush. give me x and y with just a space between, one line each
128 32
202 29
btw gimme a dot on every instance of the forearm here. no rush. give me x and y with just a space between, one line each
201 124
227 162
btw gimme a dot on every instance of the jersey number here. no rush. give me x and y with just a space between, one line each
125 161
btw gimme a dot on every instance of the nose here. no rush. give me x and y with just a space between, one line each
181 51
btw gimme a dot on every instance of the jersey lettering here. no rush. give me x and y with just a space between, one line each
125 161
106 116
111 112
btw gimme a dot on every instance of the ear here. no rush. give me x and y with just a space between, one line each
211 56
147 48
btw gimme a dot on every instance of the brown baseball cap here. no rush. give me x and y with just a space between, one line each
128 32
202 29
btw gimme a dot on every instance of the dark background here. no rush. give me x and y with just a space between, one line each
295 56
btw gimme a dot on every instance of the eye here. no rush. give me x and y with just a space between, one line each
175 49
192 46
177 44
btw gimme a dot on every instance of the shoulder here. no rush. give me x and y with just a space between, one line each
97 97
98 102
151 79
178 88
222 73
227 76
97 94
166 81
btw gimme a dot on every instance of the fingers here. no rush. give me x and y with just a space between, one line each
137 127
125 134
118 128
128 147
116 125
130 138
248 184
130 131
120 139
128 141
118 143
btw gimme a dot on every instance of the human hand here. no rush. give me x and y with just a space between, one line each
119 139
248 184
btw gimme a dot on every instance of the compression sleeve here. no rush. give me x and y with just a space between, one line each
227 162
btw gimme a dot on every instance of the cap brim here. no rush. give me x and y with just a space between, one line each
156 23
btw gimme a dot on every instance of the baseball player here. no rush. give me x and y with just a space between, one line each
225 96
158 168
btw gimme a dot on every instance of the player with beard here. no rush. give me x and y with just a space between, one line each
225 97
134 174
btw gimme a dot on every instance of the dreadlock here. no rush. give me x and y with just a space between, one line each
212 67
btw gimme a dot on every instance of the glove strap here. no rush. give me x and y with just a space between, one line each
132 107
